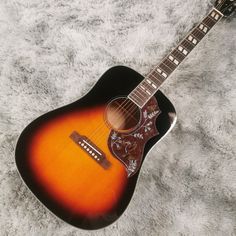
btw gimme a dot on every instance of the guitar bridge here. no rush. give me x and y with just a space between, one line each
91 149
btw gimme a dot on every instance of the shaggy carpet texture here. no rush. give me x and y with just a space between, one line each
53 51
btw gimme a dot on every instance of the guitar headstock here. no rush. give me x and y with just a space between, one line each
226 7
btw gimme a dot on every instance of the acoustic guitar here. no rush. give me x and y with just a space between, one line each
82 161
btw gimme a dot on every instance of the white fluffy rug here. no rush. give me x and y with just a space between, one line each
53 51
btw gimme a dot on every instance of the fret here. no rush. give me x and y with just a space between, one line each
154 79
172 64
140 95
187 45
151 83
178 55
209 22
198 34
165 68
143 91
147 85
155 75
211 18
136 99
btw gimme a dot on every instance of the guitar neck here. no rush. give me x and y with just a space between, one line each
151 83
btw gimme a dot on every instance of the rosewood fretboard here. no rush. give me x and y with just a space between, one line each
151 83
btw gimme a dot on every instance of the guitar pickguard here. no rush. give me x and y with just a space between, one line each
128 147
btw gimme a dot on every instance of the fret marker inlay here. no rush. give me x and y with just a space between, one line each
154 86
185 52
176 62
190 38
164 74
203 28
144 91
213 14
216 16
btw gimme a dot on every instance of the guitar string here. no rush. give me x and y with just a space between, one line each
131 106
163 60
69 141
128 100
94 132
197 34
220 5
184 44
63 147
125 103
216 7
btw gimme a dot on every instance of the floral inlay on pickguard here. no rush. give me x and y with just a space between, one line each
128 147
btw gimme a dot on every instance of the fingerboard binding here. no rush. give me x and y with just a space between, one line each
151 83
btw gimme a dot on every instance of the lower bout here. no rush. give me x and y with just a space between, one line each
82 187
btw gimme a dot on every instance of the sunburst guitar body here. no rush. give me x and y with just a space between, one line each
82 161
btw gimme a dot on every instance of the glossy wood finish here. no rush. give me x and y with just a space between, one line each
66 180
128 147
171 62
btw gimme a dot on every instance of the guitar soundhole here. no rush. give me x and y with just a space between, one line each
123 115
